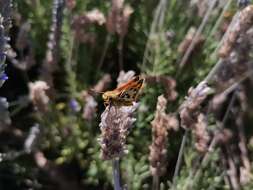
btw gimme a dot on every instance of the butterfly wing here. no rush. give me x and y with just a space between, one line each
128 84
130 92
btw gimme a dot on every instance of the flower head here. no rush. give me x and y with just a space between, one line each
125 76
74 105
190 108
90 108
201 134
3 78
160 126
38 95
4 113
118 18
115 125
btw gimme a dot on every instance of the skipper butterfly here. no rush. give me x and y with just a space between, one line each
125 94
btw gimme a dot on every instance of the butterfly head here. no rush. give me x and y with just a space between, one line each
109 95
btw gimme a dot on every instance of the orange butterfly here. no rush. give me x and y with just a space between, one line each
125 94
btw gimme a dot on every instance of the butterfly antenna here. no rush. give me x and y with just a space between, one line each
97 92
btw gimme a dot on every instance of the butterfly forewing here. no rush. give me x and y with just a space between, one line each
128 84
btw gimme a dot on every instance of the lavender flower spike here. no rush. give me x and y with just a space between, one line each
115 125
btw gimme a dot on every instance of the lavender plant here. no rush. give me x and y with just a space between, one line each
5 24
197 53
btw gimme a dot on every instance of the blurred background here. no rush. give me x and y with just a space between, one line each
193 125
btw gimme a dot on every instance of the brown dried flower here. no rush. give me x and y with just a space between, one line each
40 159
241 22
201 134
235 51
91 17
224 136
217 101
190 107
114 15
245 176
168 83
158 149
95 16
125 76
118 18
103 83
123 27
184 45
90 108
201 6
82 22
70 4
115 125
38 96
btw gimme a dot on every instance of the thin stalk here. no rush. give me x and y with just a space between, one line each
69 66
243 141
219 20
212 73
239 81
155 185
156 24
17 109
199 31
105 49
120 49
232 174
116 174
179 158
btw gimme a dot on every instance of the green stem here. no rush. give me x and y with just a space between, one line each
116 174
156 183
180 156
107 42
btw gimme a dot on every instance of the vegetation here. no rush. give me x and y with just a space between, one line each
190 127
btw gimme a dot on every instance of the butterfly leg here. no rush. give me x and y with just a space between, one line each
110 105
106 104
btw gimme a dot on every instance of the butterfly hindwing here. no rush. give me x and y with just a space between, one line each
130 93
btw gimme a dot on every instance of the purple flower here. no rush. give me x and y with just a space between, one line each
3 77
74 105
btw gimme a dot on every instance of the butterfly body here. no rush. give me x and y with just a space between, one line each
125 94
